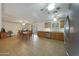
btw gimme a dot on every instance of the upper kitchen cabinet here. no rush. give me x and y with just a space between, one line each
47 24
62 24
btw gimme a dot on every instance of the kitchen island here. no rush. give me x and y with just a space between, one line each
52 35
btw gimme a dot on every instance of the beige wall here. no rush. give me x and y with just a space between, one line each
12 26
40 26
0 16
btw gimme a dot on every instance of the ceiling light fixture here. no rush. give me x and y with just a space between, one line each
51 7
54 19
23 23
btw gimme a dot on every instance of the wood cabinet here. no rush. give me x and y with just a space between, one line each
62 24
41 34
47 24
57 36
3 35
53 35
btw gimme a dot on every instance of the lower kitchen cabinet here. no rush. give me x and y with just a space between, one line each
41 34
57 36
52 35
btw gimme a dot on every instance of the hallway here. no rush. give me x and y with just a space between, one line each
36 46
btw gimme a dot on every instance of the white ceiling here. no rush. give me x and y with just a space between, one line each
27 11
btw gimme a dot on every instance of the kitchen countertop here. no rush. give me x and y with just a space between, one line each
61 30
52 31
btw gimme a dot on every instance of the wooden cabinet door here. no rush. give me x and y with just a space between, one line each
53 36
41 34
61 36
57 36
62 24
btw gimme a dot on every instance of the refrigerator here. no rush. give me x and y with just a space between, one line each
71 30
